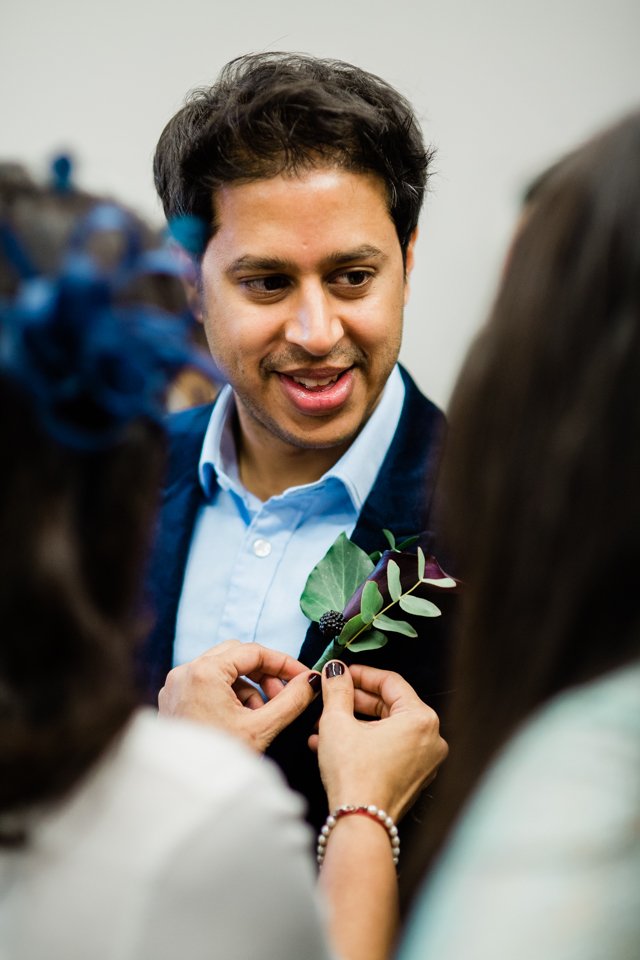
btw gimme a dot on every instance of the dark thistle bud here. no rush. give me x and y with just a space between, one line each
331 624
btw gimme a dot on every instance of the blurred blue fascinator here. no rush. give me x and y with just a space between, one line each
90 363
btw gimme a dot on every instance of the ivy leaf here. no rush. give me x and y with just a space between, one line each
421 563
335 578
393 581
371 640
350 629
371 602
394 626
419 607
391 540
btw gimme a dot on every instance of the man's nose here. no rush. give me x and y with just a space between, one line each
313 323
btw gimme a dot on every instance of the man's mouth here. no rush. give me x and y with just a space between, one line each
317 392
315 383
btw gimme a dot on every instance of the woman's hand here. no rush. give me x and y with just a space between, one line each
212 689
385 762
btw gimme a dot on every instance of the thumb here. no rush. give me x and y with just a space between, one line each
283 709
337 689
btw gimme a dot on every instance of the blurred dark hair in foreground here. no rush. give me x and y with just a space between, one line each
93 330
542 468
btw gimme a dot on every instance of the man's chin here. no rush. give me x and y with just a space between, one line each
317 433
303 432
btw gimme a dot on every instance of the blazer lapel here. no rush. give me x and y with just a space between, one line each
181 499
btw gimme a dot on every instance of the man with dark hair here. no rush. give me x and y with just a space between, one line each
310 175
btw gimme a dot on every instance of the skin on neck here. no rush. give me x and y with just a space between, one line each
268 465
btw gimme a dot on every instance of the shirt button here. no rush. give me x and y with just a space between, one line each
261 548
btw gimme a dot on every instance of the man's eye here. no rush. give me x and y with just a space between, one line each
272 283
352 278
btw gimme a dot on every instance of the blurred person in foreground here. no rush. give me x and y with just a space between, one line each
542 791
124 835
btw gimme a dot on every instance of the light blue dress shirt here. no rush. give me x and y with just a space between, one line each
249 560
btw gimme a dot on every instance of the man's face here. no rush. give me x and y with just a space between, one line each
303 289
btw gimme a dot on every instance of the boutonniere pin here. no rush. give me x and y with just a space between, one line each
353 596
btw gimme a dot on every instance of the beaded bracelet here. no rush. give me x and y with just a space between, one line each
371 811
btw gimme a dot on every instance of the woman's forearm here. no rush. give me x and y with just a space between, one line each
358 880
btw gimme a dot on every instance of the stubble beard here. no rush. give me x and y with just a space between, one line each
306 441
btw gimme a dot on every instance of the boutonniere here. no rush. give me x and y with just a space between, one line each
354 596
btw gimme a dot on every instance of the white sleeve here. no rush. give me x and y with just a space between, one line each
240 887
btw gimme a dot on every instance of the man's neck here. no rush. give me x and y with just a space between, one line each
268 465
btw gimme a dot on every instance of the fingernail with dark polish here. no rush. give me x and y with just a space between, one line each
315 681
334 669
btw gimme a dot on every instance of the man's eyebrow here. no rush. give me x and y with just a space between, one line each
279 265
365 252
267 264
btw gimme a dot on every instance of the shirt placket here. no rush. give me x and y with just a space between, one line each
261 553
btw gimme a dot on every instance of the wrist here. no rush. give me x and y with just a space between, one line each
344 798
372 813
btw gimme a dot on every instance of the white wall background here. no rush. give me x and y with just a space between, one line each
502 87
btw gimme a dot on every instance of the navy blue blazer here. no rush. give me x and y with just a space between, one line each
400 500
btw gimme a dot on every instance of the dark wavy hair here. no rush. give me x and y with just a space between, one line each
75 531
271 113
75 526
541 470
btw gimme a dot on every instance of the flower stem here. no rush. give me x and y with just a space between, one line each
331 652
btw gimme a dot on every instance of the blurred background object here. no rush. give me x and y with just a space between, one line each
45 240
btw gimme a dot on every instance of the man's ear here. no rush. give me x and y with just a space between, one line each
194 299
409 259
190 277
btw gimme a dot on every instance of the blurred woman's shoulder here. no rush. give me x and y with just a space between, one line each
546 858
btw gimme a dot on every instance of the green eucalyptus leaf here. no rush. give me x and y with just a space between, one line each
350 629
419 607
421 563
375 556
371 640
391 540
408 542
394 626
335 578
444 582
393 581
371 601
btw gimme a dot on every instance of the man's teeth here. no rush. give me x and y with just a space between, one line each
310 382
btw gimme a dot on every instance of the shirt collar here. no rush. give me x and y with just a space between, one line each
359 466
218 458
356 470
